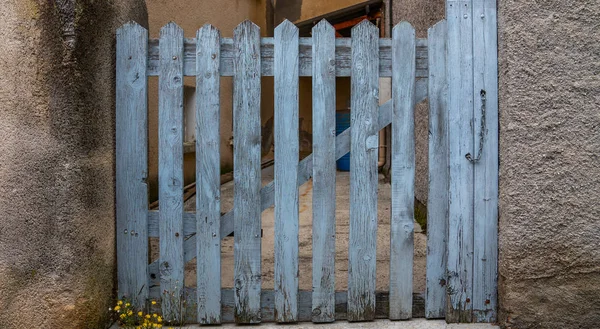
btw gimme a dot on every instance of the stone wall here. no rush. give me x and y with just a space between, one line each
57 222
549 164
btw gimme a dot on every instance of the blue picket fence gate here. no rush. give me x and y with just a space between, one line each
418 70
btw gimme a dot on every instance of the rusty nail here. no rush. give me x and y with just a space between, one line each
177 234
468 300
487 301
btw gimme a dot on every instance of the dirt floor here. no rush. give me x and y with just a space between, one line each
305 239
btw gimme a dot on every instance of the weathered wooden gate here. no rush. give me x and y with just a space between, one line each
418 70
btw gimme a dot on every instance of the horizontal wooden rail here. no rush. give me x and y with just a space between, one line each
343 58
304 305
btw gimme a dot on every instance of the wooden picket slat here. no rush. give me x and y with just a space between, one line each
363 176
132 163
170 165
305 170
208 187
485 95
437 202
324 171
287 149
247 174
460 139
403 172
305 167
458 64
343 57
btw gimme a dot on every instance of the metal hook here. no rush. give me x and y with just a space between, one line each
481 132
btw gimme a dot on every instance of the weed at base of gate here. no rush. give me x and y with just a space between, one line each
182 308
127 317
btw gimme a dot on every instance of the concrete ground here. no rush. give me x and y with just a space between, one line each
305 239
379 324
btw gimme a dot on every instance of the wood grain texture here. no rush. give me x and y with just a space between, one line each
363 175
305 171
132 163
170 170
324 171
403 172
343 57
485 67
247 175
304 305
287 149
208 169
437 203
460 132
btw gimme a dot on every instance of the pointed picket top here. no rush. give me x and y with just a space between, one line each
247 25
131 26
365 25
435 27
207 31
403 27
208 28
171 29
286 28
323 25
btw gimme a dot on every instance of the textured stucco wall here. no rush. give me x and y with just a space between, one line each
57 243
549 163
191 15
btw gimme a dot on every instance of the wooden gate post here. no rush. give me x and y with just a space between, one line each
132 163
473 159
485 96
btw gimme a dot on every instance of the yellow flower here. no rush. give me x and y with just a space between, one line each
140 313
153 302
122 316
127 305
147 316
155 315
117 308
130 312
159 319
120 302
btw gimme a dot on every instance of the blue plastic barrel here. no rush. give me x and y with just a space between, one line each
342 122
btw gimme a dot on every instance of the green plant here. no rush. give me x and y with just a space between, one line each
127 317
